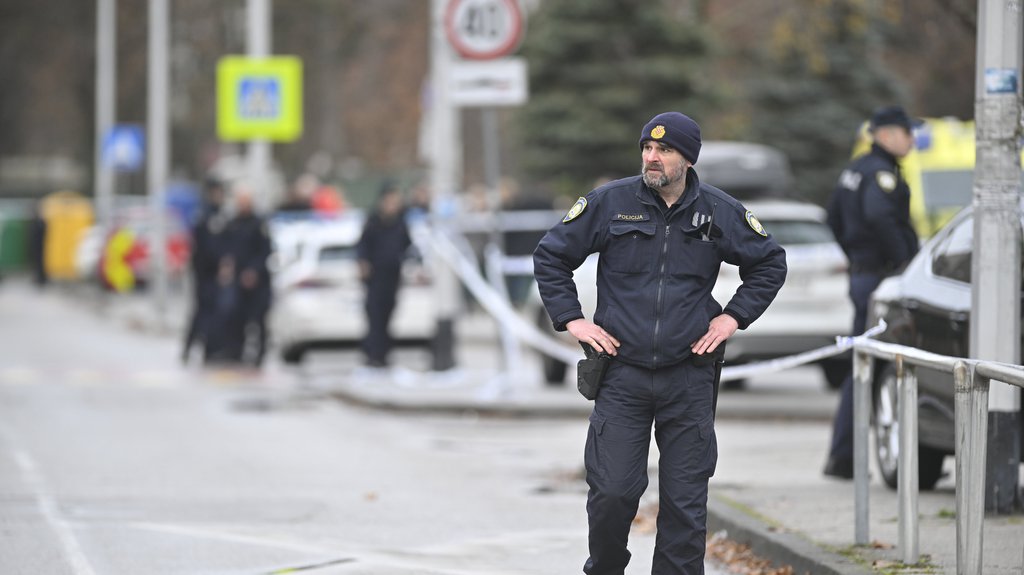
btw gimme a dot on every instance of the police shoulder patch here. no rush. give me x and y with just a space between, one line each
755 224
575 210
886 180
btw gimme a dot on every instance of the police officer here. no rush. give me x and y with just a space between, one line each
250 248
662 237
869 213
381 250
207 249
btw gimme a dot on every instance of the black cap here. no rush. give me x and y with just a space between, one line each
676 130
893 116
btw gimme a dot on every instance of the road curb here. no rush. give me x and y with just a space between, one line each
777 545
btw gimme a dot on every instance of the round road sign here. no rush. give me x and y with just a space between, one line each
483 29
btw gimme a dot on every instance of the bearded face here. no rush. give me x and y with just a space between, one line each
661 173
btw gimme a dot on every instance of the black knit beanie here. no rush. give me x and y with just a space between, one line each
676 130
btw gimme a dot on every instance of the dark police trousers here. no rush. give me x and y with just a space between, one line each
862 285
381 299
677 400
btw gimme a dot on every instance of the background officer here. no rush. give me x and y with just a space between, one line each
207 249
381 251
869 213
662 237
250 244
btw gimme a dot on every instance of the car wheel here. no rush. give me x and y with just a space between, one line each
293 355
887 437
835 371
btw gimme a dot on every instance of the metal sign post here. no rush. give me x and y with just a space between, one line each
258 46
159 148
444 162
995 305
106 105
476 30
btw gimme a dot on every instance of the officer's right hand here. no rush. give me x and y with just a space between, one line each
590 333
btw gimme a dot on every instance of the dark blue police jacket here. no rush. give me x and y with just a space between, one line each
869 213
658 265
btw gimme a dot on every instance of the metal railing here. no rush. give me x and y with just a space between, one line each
971 382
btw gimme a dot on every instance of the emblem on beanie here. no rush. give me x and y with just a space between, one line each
754 224
658 132
575 210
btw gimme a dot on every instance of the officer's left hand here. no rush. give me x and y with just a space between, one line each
720 329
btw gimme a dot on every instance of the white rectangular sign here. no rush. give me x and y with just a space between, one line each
491 83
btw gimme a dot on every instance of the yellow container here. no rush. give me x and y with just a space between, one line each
68 215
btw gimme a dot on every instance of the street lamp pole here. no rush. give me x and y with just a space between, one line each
445 163
258 45
106 105
995 305
159 148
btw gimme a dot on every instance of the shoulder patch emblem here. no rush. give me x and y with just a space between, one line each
754 224
575 210
886 181
850 179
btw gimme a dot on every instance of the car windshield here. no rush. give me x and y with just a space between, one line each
797 232
337 253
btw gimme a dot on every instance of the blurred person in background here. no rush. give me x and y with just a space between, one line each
328 200
208 247
37 244
381 250
520 243
250 247
869 213
297 201
417 208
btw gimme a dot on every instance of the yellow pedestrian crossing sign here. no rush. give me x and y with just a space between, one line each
259 98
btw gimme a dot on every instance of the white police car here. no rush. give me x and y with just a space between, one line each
319 297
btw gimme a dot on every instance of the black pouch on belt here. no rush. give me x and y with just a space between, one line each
718 357
590 371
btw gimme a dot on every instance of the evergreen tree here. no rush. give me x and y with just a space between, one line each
599 69
822 80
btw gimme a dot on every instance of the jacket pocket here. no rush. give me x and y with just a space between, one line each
631 247
693 257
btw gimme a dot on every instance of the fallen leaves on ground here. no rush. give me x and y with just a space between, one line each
736 558
739 559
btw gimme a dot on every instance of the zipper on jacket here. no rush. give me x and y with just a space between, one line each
661 290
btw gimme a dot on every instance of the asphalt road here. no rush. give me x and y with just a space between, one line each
114 458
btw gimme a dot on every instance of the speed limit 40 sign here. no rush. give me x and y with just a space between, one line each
484 29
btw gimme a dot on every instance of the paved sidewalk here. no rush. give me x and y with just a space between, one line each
768 491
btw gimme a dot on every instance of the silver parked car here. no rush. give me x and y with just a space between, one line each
928 306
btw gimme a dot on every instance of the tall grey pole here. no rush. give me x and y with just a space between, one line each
492 170
258 46
443 181
995 305
106 105
158 150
